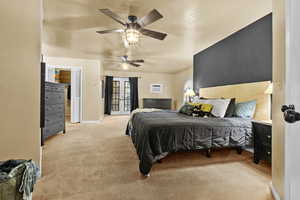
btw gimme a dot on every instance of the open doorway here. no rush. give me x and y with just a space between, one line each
71 77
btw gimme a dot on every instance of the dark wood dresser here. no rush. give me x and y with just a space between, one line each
165 104
53 109
262 141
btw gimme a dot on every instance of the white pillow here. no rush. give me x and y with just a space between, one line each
219 106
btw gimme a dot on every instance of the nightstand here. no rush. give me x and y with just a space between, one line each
262 132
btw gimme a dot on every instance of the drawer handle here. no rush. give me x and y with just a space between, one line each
269 136
269 153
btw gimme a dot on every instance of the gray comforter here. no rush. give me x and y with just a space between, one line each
156 134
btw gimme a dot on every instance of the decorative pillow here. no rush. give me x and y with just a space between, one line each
203 107
219 106
230 109
202 110
206 107
186 109
245 109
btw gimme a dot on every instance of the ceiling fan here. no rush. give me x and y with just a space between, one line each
125 62
135 26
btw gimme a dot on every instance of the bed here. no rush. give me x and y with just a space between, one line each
156 134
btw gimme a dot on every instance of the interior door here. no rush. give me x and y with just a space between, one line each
286 78
75 95
292 96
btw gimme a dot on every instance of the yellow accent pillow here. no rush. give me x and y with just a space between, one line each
195 104
206 107
203 107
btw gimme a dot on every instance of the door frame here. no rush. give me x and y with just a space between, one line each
79 68
121 79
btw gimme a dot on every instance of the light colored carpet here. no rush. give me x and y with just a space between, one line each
98 162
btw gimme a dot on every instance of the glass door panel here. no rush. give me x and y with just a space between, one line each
115 105
121 96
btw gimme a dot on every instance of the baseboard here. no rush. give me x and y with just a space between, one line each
274 192
91 122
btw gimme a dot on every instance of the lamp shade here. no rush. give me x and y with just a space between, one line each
190 92
269 90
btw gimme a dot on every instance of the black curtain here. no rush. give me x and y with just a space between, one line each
134 94
108 94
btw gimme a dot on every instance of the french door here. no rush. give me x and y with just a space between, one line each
121 96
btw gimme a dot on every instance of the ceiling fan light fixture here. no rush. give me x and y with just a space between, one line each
131 37
125 66
135 27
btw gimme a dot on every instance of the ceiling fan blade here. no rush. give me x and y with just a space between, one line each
154 34
133 64
151 17
137 61
114 16
111 31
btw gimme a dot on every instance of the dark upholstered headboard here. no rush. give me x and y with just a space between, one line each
165 103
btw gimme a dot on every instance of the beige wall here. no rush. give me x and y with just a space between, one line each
146 79
20 79
92 103
278 138
181 81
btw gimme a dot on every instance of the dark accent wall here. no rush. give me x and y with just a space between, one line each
243 57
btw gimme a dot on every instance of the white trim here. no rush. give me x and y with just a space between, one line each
91 122
274 192
41 161
79 68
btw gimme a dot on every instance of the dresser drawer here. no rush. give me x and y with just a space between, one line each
54 98
53 129
267 153
54 118
263 134
264 138
49 87
267 139
54 108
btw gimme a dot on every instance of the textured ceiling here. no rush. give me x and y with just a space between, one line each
192 25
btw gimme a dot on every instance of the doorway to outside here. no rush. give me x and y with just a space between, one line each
71 77
120 96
